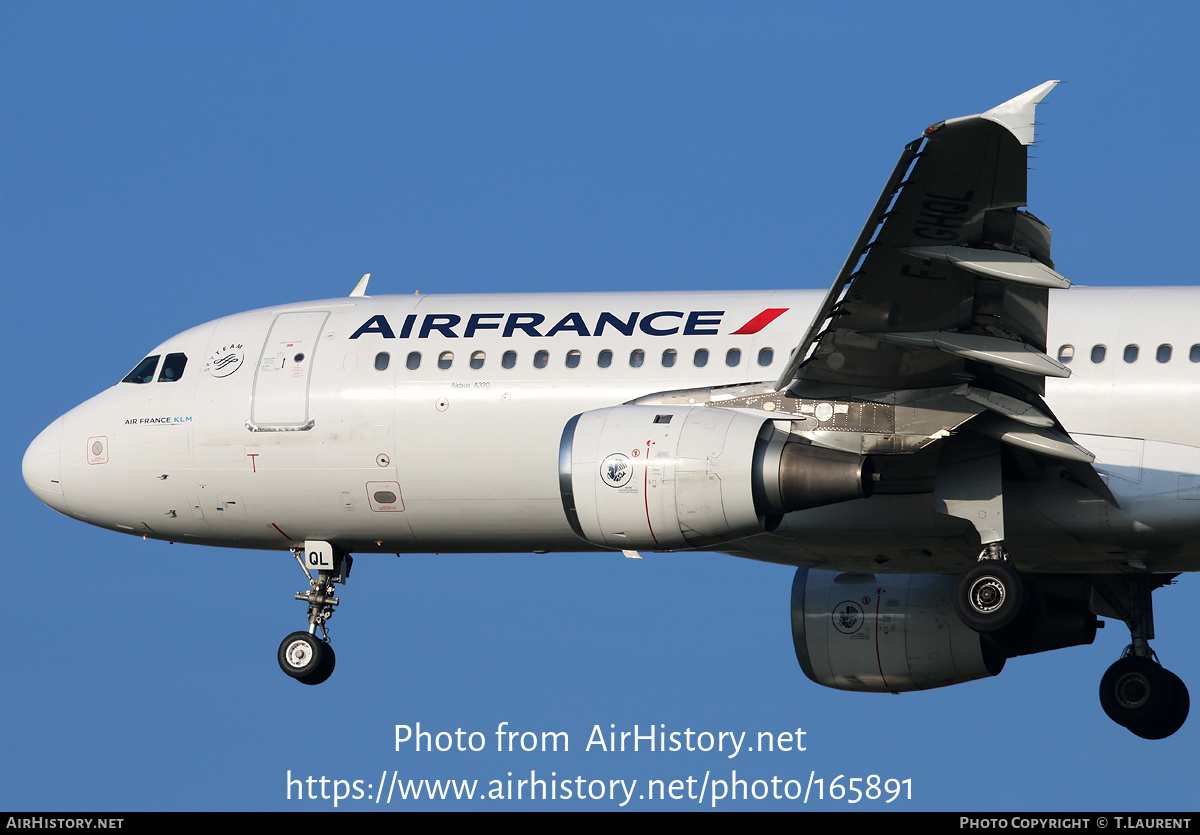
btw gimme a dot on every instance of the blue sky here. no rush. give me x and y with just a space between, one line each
167 164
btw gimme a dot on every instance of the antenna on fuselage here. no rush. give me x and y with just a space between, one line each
360 289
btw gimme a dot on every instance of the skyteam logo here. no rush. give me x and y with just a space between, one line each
224 361
848 617
615 470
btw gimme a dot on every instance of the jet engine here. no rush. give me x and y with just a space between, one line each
886 633
668 477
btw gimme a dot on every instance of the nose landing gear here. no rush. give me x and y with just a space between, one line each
302 655
306 658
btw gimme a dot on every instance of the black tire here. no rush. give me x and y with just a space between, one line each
300 655
1024 630
1137 692
1167 723
325 666
990 596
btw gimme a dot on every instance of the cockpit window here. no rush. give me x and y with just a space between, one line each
144 373
172 368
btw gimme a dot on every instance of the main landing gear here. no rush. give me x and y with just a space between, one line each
1136 692
302 655
991 596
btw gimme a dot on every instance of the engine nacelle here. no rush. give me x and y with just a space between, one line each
668 477
885 633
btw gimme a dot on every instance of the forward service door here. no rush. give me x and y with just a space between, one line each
280 401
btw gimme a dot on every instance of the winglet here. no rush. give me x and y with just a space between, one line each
1017 114
360 289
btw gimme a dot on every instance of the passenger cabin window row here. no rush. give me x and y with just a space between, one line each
173 365
604 359
172 369
1162 354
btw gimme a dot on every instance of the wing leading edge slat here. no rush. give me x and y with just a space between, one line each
857 252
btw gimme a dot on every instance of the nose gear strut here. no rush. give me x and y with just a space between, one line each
302 655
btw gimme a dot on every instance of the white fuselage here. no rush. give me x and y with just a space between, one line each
344 420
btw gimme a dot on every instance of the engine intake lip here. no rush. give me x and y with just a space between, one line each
564 476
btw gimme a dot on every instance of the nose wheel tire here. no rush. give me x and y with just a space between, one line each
306 658
990 596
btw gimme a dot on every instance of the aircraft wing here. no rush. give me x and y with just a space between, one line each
945 292
948 275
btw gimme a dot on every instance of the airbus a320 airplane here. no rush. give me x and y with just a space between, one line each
941 443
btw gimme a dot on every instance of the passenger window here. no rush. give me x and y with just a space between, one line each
1194 354
1131 352
144 373
573 358
172 368
382 359
477 359
766 356
1098 352
414 361
604 360
1066 353
445 360
701 357
636 357
668 358
541 359
509 359
1163 354
733 357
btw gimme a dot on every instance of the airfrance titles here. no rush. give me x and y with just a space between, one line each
450 325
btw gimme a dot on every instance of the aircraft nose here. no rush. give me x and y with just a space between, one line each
41 467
